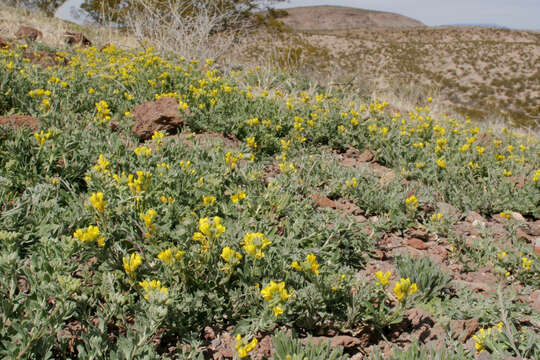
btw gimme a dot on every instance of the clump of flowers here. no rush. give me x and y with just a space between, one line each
526 263
231 159
96 199
404 289
42 137
143 150
171 255
276 295
243 347
209 200
131 263
103 113
383 278
153 286
235 198
140 183
254 244
352 183
309 265
148 218
102 165
89 234
157 138
411 202
482 336
209 230
232 259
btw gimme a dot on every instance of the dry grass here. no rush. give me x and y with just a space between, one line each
53 29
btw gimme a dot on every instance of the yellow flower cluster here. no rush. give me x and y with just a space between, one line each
231 159
482 336
152 287
310 264
148 218
526 263
403 289
383 278
232 259
143 150
103 113
209 229
131 264
171 255
254 244
42 137
243 348
352 183
235 198
140 183
209 200
96 199
276 295
89 234
102 165
411 202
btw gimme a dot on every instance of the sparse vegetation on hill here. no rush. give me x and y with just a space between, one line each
153 207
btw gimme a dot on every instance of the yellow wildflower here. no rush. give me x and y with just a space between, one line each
383 278
96 199
254 243
403 289
89 234
131 264
153 286
243 348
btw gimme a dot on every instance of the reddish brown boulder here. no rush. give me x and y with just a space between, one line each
45 58
16 121
77 39
160 115
417 244
28 33
464 329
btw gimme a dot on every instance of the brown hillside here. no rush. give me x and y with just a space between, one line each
341 18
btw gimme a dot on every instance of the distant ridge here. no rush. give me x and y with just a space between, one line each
497 26
343 18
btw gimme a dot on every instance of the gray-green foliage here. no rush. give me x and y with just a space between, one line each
287 347
429 278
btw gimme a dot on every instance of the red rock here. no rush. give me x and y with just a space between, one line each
28 33
537 246
160 115
522 235
447 209
534 300
464 329
533 228
77 39
16 121
417 244
475 218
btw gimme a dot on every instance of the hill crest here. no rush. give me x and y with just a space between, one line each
330 17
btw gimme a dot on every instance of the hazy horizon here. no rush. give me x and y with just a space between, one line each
516 14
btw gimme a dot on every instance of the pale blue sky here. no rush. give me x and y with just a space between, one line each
519 14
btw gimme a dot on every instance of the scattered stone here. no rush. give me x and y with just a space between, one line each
160 115
16 121
475 218
342 204
522 235
447 210
534 300
77 39
45 58
209 333
517 216
28 33
462 330
537 245
348 342
533 228
418 232
417 244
